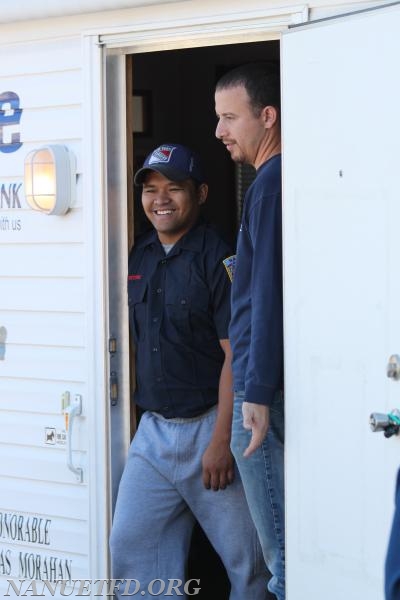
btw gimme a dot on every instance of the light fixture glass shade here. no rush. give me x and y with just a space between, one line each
50 179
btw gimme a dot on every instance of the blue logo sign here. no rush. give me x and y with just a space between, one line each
10 116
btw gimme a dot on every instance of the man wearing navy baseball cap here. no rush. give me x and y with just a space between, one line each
179 308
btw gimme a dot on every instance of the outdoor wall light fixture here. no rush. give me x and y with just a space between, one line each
50 179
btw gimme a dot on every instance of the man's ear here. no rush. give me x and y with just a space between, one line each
202 193
270 116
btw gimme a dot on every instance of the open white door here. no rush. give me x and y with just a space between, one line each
341 131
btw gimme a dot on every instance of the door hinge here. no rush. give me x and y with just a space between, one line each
112 345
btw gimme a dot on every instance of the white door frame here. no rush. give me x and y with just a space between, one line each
105 192
95 224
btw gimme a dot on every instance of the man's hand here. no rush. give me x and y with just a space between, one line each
256 418
218 466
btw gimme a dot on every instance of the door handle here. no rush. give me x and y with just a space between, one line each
74 409
389 423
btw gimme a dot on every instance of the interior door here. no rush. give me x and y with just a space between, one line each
341 134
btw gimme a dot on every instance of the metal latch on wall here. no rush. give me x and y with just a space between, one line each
71 409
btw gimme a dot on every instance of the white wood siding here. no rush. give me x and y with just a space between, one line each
43 308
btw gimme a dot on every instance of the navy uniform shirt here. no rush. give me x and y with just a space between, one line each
179 309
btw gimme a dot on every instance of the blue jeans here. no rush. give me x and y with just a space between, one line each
263 478
162 493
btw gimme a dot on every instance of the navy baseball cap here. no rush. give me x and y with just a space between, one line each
174 161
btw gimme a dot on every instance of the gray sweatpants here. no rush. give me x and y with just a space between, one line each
161 494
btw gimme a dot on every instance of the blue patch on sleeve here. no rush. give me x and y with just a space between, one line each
229 264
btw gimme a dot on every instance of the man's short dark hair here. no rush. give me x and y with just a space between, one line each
261 81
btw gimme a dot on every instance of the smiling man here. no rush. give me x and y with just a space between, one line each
179 304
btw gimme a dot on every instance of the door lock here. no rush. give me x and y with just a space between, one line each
388 423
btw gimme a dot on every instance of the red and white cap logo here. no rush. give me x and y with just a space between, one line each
161 155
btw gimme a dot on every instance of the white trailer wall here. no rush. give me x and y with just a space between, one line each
47 311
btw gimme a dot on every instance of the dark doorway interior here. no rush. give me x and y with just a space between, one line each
176 92
177 88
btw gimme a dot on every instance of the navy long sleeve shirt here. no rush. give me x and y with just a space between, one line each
256 329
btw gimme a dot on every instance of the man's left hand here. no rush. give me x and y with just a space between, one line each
256 419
